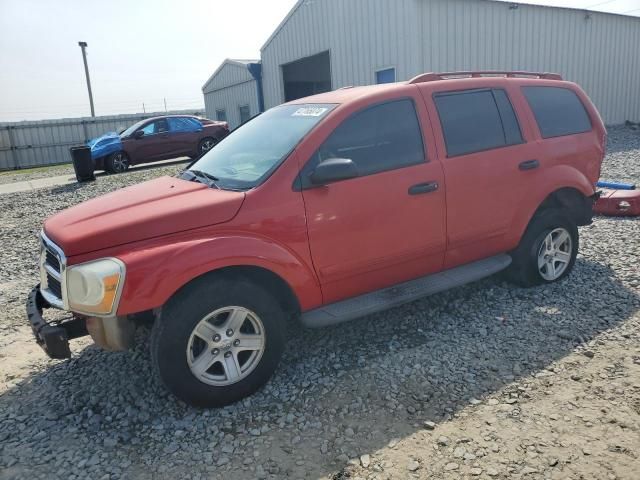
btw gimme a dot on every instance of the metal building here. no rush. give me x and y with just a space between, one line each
234 92
327 44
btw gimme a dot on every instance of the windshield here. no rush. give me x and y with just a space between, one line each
129 131
252 152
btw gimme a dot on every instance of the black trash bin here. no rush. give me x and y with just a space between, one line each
82 163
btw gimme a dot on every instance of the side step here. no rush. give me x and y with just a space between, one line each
405 292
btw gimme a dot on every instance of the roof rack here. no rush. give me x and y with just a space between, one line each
432 77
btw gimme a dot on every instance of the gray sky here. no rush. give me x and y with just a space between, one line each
139 51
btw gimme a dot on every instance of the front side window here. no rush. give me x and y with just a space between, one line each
247 156
379 138
558 111
476 120
159 126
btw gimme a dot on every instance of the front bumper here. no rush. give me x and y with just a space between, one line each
54 336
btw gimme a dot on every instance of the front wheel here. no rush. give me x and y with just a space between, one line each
547 251
117 162
217 341
206 144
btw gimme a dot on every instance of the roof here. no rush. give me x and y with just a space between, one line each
299 3
229 61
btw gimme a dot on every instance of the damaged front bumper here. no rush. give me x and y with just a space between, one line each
53 336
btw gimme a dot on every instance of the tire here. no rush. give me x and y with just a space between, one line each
180 355
547 251
117 162
205 145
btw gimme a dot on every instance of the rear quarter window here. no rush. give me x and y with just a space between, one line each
558 111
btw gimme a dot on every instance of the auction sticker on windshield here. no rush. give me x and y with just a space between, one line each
309 112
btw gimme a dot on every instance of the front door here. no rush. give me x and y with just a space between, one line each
387 225
155 144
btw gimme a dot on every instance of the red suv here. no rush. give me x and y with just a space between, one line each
326 209
157 138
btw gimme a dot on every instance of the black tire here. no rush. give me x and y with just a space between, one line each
117 162
171 332
205 145
524 269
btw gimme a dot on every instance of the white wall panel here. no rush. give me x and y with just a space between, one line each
230 99
599 51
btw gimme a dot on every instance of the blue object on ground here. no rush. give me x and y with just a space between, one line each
105 145
616 185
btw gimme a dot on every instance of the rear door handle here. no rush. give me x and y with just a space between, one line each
421 188
529 165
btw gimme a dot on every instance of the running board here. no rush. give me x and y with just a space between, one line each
405 292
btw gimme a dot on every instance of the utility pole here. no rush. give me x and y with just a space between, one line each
83 46
165 105
143 109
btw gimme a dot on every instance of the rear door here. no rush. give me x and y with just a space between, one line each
387 225
184 135
486 159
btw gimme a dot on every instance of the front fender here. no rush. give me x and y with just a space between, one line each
155 273
554 179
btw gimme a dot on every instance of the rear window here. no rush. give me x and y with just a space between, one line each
558 111
477 120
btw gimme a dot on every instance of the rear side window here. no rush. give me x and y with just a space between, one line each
477 120
379 138
558 111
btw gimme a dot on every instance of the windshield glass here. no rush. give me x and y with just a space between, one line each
252 152
129 131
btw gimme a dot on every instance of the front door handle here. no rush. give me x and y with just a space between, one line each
421 188
529 165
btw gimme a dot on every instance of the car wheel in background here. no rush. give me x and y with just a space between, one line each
547 251
117 162
217 341
206 144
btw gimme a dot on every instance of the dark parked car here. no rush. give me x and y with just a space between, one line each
157 138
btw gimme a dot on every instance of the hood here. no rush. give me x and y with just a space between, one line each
147 210
104 145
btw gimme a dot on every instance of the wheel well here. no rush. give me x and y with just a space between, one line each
268 280
578 207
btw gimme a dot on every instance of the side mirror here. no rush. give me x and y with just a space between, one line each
333 170
138 134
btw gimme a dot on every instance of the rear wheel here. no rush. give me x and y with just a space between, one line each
547 251
206 144
117 162
217 341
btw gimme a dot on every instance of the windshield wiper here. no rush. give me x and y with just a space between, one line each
200 175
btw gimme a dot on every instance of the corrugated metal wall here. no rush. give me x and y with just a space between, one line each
599 51
47 142
231 87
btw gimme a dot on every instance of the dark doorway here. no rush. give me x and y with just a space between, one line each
307 76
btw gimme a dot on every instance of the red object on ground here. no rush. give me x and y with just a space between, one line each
618 203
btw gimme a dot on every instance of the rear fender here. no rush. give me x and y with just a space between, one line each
154 274
557 178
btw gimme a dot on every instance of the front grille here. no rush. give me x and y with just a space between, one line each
52 265
52 260
54 285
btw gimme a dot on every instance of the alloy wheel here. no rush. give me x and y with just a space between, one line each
226 346
554 254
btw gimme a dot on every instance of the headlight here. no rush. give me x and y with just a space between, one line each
94 287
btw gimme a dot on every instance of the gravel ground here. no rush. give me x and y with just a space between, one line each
12 176
485 381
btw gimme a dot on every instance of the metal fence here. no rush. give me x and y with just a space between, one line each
46 142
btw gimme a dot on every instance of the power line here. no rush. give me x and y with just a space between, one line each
601 3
